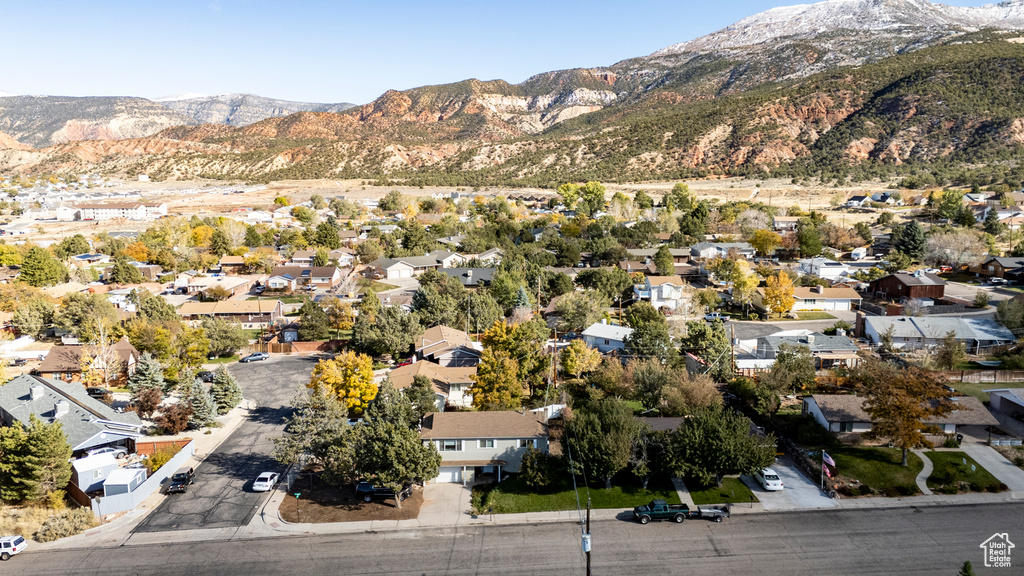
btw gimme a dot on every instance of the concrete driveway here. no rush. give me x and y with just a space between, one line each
445 504
799 492
222 496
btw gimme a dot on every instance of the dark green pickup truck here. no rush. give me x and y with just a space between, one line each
661 510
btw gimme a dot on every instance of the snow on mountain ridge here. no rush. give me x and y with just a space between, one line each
806 20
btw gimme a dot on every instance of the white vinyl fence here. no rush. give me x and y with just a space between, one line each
103 505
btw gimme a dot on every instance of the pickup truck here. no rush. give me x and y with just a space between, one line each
661 510
367 491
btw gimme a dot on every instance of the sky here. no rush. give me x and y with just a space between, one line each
331 51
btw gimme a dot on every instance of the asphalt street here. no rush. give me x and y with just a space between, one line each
222 496
910 541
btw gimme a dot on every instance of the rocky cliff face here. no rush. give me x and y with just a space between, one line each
243 109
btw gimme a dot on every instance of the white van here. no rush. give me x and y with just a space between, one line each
11 545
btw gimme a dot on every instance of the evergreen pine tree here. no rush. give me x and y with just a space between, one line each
522 299
204 410
911 241
15 474
225 391
148 374
48 457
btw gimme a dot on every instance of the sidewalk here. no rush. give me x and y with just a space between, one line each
926 471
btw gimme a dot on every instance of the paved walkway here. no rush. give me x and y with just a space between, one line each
997 465
926 471
684 492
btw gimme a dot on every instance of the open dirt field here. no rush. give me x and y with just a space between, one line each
323 503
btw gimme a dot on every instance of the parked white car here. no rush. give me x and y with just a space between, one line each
119 452
769 480
11 545
265 482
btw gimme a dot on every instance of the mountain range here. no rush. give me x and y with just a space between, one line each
842 83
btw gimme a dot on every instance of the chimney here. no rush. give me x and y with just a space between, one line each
819 289
810 338
918 273
469 273
60 409
36 392
604 321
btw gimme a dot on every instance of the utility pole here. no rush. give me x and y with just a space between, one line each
586 538
732 346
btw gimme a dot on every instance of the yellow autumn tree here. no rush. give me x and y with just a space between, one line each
349 377
778 294
578 358
137 251
496 384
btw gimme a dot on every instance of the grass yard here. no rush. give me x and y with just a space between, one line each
972 389
223 360
365 284
732 490
813 315
878 468
512 497
951 475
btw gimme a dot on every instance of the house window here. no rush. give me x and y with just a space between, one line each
846 426
96 474
524 442
485 443
606 342
451 446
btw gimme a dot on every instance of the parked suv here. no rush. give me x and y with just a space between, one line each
367 491
11 545
181 479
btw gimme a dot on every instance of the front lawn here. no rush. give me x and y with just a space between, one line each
512 497
815 315
878 469
951 475
972 389
365 285
732 490
222 359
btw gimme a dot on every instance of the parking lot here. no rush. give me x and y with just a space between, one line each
222 495
799 493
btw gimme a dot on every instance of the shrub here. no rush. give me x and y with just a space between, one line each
906 489
174 418
1003 487
977 487
64 524
947 489
950 442
55 500
993 487
159 458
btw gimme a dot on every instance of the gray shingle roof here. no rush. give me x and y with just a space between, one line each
817 342
86 417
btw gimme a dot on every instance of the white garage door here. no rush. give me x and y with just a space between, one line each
450 474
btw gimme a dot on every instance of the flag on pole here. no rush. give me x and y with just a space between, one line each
827 459
825 469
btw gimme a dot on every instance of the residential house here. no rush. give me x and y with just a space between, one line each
842 413
606 337
913 332
85 260
827 351
708 250
823 268
65 362
251 314
858 201
908 286
87 422
234 285
661 291
646 255
816 298
482 443
282 283
1010 267
448 347
1009 401
887 199
323 277
149 272
451 383
638 266
471 277
785 223
232 264
410 266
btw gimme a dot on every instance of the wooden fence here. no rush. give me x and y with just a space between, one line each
148 448
983 376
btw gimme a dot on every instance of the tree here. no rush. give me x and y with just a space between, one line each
951 352
980 299
219 243
900 401
146 400
765 241
124 273
992 224
651 340
349 377
496 384
611 282
148 374
389 331
225 391
368 251
393 201
950 204
152 307
643 200
340 314
226 338
683 393
35 316
313 322
15 475
809 240
535 468
174 418
793 370
204 409
897 261
599 439
1010 313
911 240
709 299
391 454
577 358
956 247
189 349
577 311
966 570
71 246
664 261
422 396
647 377
47 458
713 442
82 314
326 236
679 198
709 343
253 238
778 294
392 406
318 429
744 284
39 268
